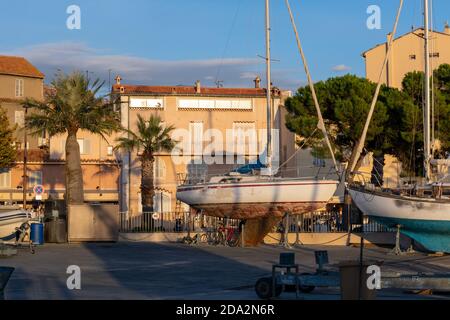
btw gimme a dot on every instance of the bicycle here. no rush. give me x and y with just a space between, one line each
229 236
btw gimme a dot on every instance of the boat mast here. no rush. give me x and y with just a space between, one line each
427 118
269 89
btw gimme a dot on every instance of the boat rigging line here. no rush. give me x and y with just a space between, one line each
361 142
321 124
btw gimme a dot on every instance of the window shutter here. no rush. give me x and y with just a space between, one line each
86 146
19 118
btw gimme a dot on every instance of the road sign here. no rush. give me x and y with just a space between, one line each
38 190
155 216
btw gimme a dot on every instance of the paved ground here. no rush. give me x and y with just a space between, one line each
131 270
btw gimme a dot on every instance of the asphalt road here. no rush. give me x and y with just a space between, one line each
139 270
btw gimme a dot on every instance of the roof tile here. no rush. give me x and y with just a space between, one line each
186 90
19 66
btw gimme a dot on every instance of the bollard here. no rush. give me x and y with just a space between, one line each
354 281
5 274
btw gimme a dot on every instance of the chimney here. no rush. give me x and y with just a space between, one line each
118 79
257 82
197 86
447 28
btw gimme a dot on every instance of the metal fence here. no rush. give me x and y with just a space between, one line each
326 222
313 222
171 222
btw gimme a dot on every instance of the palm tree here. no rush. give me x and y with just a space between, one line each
151 137
73 105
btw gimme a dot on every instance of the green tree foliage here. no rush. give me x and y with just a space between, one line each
412 122
8 152
344 102
397 124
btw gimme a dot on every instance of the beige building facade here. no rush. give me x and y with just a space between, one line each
208 123
407 54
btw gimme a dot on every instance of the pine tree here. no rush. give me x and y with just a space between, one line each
7 150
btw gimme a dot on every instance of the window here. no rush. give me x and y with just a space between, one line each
159 168
238 104
147 103
19 145
162 202
34 178
19 118
412 57
109 150
196 137
434 55
5 178
319 162
85 146
19 88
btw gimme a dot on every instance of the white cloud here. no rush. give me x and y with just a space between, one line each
69 56
248 75
341 68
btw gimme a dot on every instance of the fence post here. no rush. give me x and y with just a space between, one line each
242 235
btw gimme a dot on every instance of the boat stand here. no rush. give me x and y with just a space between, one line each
397 249
9 248
284 239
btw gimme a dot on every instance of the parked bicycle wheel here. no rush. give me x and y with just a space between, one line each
234 240
204 238
220 238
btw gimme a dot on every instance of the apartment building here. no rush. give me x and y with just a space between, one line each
198 112
407 54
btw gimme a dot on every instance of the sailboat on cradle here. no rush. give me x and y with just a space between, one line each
261 195
422 212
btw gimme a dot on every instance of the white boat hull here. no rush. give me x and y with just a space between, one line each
10 220
424 220
246 200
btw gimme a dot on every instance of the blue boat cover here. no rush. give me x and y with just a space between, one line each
246 169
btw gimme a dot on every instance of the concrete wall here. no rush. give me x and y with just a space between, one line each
93 223
330 239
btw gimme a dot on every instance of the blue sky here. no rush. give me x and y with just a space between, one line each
173 42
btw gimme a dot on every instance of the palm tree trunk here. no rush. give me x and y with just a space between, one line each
74 174
147 186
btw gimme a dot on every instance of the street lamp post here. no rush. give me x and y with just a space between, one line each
25 158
